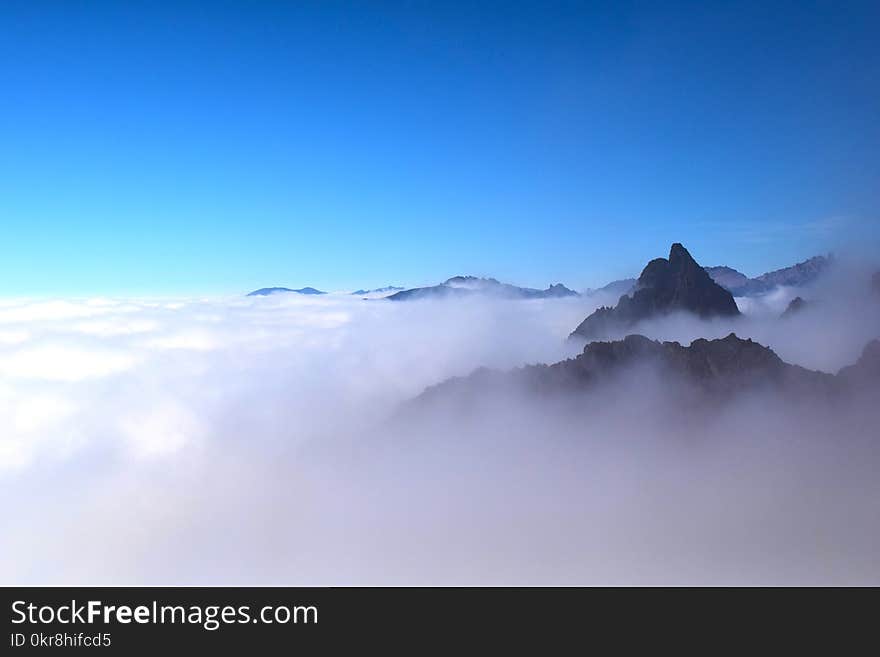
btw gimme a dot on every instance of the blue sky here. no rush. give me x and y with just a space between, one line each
216 147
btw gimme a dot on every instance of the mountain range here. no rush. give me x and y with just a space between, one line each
730 279
797 275
266 291
463 286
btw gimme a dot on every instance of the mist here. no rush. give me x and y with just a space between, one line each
260 441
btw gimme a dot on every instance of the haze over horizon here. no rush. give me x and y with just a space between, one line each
190 149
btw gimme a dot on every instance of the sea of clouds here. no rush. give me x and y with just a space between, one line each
248 440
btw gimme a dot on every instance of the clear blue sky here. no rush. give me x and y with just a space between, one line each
216 147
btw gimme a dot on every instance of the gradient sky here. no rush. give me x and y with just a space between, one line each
216 147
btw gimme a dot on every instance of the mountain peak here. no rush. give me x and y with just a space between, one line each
664 286
678 252
559 290
794 306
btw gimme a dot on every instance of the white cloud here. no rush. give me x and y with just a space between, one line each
161 429
138 435
63 363
191 340
49 311
26 420
14 337
115 326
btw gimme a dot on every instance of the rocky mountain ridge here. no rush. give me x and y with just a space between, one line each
718 368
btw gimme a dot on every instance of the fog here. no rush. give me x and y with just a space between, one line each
257 441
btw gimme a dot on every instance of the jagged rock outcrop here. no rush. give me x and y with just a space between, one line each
725 365
556 290
665 285
703 360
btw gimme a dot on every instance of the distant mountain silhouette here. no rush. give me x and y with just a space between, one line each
865 372
665 285
379 290
266 291
464 286
737 283
797 275
616 288
794 306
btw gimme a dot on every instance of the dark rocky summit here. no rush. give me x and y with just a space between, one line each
724 364
665 285
463 286
266 291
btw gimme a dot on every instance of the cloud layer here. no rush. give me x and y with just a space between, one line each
247 440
